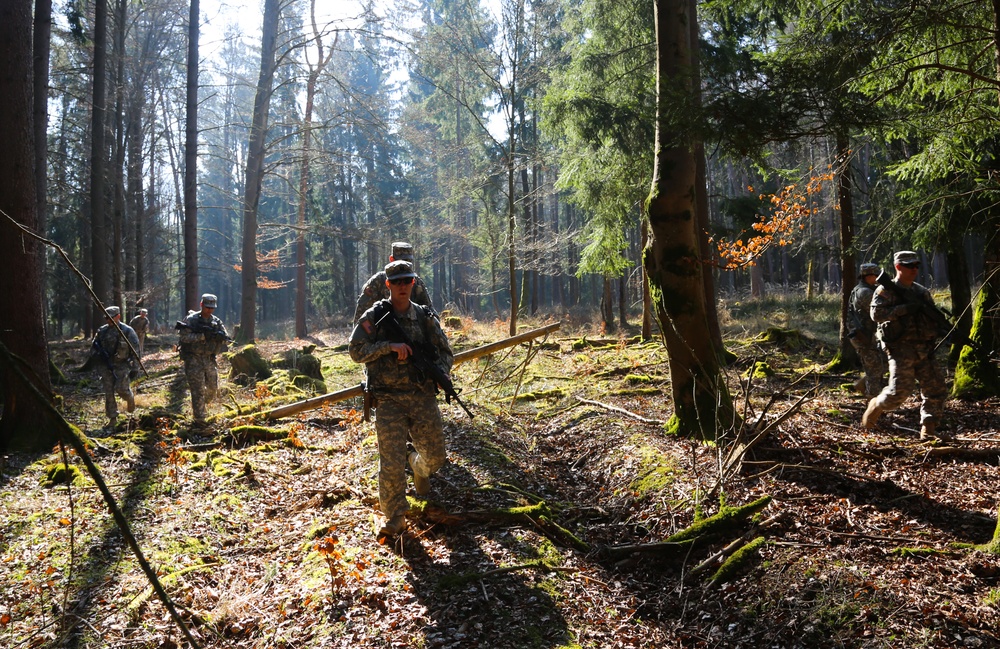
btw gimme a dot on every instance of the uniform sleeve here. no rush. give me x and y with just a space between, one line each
367 298
422 296
133 339
882 305
188 336
364 346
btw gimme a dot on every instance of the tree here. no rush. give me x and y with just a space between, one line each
703 406
98 161
255 171
21 427
191 297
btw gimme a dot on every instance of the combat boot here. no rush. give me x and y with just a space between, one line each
872 413
393 527
421 483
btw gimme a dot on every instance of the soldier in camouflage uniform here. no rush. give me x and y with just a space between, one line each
862 332
909 338
140 324
198 351
406 399
375 288
117 363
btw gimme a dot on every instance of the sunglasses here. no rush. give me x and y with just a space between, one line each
910 265
402 281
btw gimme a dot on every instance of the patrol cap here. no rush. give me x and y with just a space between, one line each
112 312
870 269
209 300
402 250
399 269
143 311
905 257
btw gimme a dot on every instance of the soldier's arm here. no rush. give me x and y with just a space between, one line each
364 346
883 306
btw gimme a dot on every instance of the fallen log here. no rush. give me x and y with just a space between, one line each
356 391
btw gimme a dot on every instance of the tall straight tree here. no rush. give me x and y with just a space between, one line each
322 57
98 162
703 407
255 171
191 296
21 426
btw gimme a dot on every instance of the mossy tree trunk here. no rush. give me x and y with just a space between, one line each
703 407
976 375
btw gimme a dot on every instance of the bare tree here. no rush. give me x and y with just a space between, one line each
191 297
255 171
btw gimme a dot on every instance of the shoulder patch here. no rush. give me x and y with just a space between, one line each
367 326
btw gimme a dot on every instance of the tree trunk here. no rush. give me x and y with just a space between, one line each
255 172
98 161
117 169
191 295
21 427
961 291
848 263
41 39
703 407
647 305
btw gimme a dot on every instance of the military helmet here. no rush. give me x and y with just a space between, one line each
402 250
112 312
399 269
209 300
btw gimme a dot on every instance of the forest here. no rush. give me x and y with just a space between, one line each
649 216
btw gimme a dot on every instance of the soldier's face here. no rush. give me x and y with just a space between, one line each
400 288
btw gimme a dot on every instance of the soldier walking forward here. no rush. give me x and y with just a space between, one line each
118 365
202 337
863 330
909 337
140 324
406 401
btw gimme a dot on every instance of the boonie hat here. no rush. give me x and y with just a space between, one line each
209 300
870 269
402 250
906 257
112 312
399 269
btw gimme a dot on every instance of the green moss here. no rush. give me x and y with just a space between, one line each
554 393
309 384
725 520
735 564
60 474
975 375
635 379
637 392
760 370
248 366
787 338
656 473
904 553
992 598
993 547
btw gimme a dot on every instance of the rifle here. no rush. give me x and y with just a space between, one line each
104 355
209 330
937 316
423 357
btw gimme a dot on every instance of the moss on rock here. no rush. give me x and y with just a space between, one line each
248 366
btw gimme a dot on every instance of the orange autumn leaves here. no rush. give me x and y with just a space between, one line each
789 208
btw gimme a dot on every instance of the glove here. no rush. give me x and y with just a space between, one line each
900 311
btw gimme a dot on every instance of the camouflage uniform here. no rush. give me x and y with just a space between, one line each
375 288
198 351
909 338
140 324
115 379
406 400
862 335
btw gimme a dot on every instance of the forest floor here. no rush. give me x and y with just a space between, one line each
870 537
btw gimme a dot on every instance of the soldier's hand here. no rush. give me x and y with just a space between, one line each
402 350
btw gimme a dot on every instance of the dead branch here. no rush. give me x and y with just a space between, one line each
622 411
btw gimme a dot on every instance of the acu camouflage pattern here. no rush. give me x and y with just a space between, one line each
406 401
140 324
198 353
375 290
116 381
909 340
862 336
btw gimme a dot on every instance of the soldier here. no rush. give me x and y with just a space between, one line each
862 332
202 336
406 399
909 337
117 363
375 288
140 324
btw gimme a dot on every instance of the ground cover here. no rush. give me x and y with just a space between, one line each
550 526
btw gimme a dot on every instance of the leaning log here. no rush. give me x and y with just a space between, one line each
356 391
